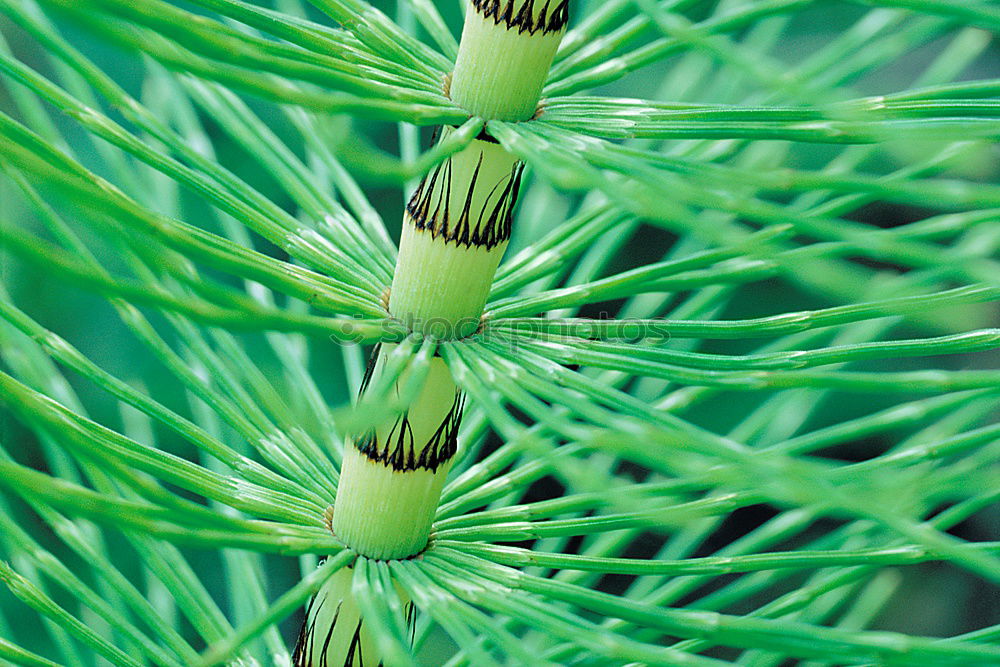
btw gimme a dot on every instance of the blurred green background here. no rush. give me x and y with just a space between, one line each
937 599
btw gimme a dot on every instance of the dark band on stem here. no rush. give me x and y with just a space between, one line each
430 208
305 655
521 14
400 449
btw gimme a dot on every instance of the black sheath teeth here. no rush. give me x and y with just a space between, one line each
430 208
370 368
521 14
305 653
399 451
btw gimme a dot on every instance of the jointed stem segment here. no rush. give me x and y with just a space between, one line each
391 481
455 231
504 57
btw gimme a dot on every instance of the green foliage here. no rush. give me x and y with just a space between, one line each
732 400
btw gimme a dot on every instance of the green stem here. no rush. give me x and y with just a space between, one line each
391 481
504 58
455 230
334 627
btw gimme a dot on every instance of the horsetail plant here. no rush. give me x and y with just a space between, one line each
455 230
727 400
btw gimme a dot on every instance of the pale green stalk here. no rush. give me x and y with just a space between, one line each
610 440
456 228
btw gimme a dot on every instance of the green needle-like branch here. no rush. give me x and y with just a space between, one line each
730 397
